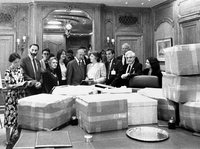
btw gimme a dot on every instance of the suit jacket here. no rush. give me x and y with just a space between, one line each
50 80
116 66
30 76
75 73
120 58
136 69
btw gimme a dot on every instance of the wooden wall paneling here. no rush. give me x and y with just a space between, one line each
190 32
109 26
7 41
188 7
134 40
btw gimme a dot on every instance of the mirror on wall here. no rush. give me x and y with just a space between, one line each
67 29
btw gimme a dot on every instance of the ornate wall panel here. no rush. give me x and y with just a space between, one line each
8 15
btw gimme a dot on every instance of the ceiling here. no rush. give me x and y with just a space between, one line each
80 21
122 3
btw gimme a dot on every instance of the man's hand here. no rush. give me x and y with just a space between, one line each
124 76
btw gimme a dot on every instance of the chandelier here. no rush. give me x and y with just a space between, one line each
67 28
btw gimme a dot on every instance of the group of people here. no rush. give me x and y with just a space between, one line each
30 76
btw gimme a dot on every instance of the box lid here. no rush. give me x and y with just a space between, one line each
41 100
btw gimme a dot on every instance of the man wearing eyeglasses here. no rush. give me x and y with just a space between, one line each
130 69
44 60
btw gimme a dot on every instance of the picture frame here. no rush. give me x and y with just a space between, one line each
160 45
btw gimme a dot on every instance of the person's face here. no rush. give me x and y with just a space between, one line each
53 64
63 55
147 64
45 55
130 59
16 63
109 55
92 58
33 50
124 49
80 54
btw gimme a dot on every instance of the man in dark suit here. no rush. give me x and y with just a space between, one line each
131 69
125 47
32 71
113 66
76 69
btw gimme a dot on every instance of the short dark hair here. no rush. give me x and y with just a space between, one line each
13 57
70 51
110 49
34 45
97 55
46 49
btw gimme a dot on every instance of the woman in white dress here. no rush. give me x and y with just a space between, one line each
96 70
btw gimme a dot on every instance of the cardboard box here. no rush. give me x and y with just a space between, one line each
190 116
182 59
166 108
141 109
181 88
102 112
44 111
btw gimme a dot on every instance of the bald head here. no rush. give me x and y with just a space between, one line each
80 54
125 47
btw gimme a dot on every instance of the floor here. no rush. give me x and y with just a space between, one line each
179 139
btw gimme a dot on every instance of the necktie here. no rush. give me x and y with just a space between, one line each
35 68
128 70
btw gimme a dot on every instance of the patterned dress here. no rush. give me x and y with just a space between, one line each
12 76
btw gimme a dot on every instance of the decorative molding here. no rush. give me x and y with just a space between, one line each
164 19
191 16
134 19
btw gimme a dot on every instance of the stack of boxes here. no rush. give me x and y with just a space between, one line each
181 82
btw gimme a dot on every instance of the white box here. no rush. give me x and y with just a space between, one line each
141 109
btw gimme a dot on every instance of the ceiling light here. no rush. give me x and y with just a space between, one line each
126 3
142 3
54 22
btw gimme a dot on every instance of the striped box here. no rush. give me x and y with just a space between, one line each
102 112
44 111
182 59
190 116
181 88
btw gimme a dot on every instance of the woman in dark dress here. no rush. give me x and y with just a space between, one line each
61 69
153 68
14 81
49 77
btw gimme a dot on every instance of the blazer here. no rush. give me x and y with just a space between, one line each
154 73
29 75
75 73
115 68
120 58
50 80
135 70
58 72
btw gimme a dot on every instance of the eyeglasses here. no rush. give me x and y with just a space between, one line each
130 57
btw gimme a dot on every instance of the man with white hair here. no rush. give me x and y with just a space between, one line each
125 47
130 69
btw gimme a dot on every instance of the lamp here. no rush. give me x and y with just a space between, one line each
21 44
110 42
67 28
